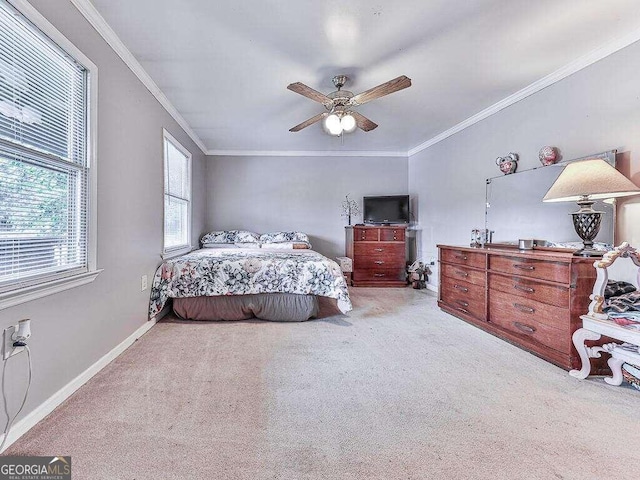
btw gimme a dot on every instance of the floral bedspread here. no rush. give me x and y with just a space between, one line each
211 272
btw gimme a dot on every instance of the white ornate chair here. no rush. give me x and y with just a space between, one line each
597 323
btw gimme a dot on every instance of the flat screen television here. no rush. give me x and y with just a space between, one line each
386 209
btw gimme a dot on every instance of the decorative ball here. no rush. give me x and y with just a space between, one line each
547 155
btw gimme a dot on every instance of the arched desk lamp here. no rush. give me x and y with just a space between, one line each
584 182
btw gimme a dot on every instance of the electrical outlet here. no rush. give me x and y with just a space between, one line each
8 349
143 283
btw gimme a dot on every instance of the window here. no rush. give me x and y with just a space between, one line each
177 196
45 169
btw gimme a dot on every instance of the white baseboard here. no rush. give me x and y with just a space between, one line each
24 425
433 288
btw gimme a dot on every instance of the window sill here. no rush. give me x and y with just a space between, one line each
32 292
176 253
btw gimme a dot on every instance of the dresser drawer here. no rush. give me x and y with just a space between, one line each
546 270
361 234
392 234
545 324
463 296
463 257
394 250
377 262
522 287
463 273
379 274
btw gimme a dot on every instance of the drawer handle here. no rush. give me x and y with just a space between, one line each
463 303
524 328
524 308
461 288
463 310
524 289
523 267
378 249
461 273
394 237
378 274
461 257
378 262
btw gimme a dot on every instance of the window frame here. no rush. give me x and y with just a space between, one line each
31 289
178 249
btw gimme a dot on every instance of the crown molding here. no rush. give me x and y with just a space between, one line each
86 8
554 77
302 153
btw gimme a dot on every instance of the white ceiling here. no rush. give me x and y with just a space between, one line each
225 65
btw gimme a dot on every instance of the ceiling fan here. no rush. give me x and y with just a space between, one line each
340 116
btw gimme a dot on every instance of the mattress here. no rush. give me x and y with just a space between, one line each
277 307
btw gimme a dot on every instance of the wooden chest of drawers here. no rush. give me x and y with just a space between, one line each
378 254
533 299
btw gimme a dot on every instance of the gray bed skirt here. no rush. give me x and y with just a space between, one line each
277 307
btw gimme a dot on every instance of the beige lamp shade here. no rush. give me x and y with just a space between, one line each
593 178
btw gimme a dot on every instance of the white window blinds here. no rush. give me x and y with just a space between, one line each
43 156
177 195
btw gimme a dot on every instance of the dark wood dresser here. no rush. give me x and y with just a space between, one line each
532 298
378 254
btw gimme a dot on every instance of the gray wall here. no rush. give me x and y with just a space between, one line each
266 194
73 329
591 111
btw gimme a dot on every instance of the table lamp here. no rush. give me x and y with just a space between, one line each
584 182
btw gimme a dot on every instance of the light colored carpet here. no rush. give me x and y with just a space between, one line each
395 390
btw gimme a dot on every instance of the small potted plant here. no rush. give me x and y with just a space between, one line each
349 207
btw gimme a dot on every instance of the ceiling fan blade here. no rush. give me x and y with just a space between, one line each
363 122
381 90
308 122
309 92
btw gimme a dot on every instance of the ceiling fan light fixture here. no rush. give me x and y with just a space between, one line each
332 124
339 118
348 123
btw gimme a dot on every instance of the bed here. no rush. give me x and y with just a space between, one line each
270 277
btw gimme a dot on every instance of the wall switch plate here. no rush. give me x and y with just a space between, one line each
8 350
143 283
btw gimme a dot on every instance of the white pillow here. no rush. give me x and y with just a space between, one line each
277 246
286 246
219 245
247 245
